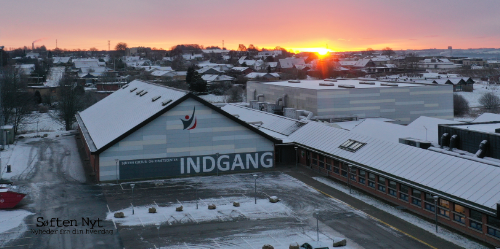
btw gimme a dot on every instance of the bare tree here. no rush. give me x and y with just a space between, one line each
234 94
121 48
17 103
460 105
388 51
70 100
490 101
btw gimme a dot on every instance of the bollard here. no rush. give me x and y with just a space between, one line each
8 168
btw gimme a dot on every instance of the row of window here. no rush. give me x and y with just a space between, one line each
407 194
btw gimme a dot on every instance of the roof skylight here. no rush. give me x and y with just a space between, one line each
352 145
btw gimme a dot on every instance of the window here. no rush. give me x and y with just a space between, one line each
415 197
362 175
328 164
459 214
344 169
352 145
429 203
352 174
321 161
392 188
314 159
381 184
302 153
371 180
493 226
444 208
336 167
403 192
476 219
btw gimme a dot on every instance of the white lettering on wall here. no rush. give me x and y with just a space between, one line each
269 160
237 162
190 163
182 165
226 163
255 162
212 163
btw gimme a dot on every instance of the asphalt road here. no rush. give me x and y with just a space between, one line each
53 193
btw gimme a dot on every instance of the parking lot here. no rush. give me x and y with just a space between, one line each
251 225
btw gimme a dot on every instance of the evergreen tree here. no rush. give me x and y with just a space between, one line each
195 82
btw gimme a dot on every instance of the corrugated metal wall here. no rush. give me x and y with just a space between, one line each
164 137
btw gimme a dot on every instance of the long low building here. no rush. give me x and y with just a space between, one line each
145 130
329 99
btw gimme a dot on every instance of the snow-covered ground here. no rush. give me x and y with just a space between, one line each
43 121
11 224
225 211
480 88
430 227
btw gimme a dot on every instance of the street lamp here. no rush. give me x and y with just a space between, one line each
435 210
349 177
255 177
425 132
116 160
132 186
296 157
316 211
217 163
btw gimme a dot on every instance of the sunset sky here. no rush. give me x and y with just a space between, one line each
342 25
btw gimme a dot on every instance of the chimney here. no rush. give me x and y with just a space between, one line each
32 46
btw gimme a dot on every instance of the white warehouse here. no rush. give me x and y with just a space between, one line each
333 99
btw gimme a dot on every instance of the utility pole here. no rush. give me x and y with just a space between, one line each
56 43
108 46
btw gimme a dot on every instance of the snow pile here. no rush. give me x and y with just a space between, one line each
430 227
12 225
225 211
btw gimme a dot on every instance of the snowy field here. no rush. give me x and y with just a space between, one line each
480 88
46 122
430 227
12 224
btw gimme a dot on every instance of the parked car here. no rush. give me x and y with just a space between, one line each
315 245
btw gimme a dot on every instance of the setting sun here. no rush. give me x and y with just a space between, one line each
320 51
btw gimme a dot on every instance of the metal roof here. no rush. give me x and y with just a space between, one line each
123 110
270 122
463 181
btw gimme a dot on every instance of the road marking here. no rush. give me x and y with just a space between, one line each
247 242
217 244
274 239
421 241
113 218
141 221
187 245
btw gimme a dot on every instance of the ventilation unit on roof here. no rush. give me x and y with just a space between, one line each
143 93
155 98
415 143
331 80
139 92
133 89
294 81
366 83
346 86
388 84
166 102
326 84
352 145
125 86
482 149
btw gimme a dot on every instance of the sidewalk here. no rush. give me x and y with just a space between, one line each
412 231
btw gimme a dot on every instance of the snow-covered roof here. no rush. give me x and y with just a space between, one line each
271 123
347 63
481 127
55 75
387 131
241 69
314 84
362 62
58 60
79 63
431 124
290 62
487 117
254 75
463 181
123 110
